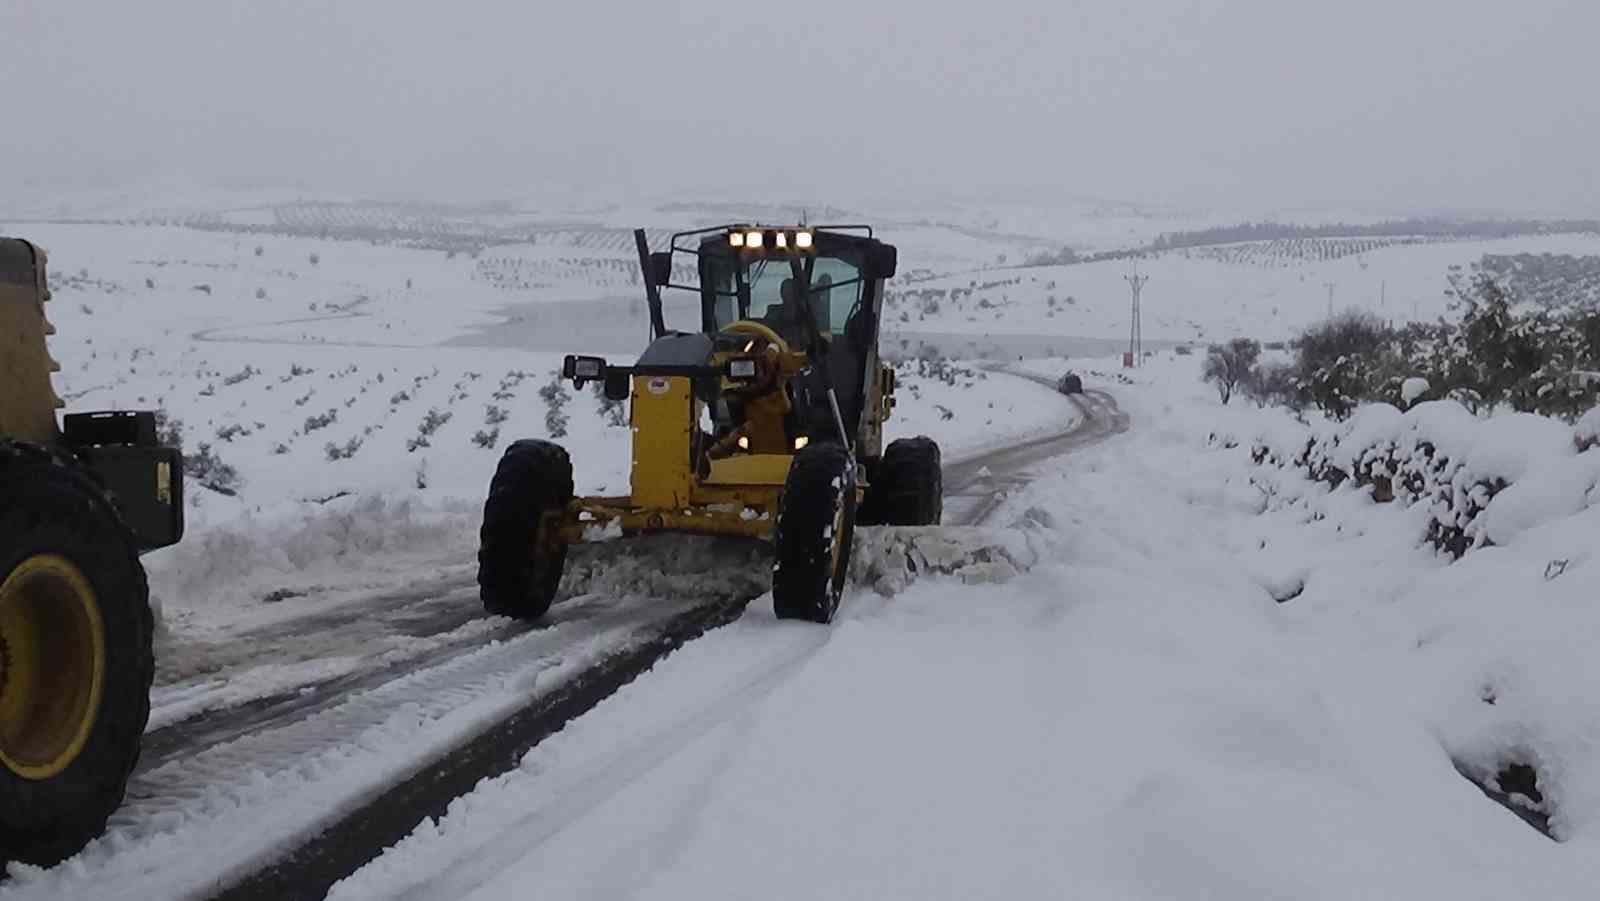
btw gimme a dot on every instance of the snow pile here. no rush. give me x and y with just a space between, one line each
889 559
1587 431
245 558
1413 388
1440 454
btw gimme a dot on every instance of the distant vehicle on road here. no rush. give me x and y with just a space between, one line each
1070 384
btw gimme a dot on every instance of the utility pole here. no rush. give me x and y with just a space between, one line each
1136 332
1329 286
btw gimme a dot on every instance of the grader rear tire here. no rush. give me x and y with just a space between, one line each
76 660
908 484
521 553
816 526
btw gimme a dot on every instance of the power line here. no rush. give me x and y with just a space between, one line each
1136 331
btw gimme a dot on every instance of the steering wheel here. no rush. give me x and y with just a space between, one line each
760 330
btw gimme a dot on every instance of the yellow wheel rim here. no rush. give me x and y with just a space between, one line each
52 665
838 543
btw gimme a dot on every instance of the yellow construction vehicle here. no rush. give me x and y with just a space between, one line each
765 421
79 501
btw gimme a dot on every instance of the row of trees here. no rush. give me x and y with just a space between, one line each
1396 228
1487 355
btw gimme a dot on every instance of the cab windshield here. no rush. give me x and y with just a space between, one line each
772 296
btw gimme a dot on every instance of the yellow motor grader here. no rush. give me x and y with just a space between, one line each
79 501
764 421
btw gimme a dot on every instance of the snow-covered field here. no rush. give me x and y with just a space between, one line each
1265 290
1135 717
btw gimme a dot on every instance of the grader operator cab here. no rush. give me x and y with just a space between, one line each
766 421
79 501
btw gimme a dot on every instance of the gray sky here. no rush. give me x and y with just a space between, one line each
1224 103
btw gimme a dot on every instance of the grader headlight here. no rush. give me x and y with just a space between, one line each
583 369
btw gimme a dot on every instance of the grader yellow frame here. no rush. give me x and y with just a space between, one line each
766 422
737 495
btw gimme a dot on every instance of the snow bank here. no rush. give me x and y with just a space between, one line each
1587 431
244 558
1440 454
1492 649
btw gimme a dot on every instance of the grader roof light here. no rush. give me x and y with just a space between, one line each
746 238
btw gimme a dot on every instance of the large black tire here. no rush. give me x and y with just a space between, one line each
520 549
907 484
816 526
65 560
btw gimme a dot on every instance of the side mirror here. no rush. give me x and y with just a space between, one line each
882 261
661 267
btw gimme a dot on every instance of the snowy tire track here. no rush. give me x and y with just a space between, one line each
255 797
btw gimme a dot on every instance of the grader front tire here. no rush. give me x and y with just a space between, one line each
76 660
816 526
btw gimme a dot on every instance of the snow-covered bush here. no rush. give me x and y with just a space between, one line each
615 412
209 471
1229 365
320 421
1494 352
431 422
1441 455
555 397
343 451
1342 361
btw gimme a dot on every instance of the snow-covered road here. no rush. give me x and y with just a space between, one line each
297 723
1136 717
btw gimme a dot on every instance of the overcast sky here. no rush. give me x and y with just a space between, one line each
1391 104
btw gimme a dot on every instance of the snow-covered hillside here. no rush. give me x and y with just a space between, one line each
1268 290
